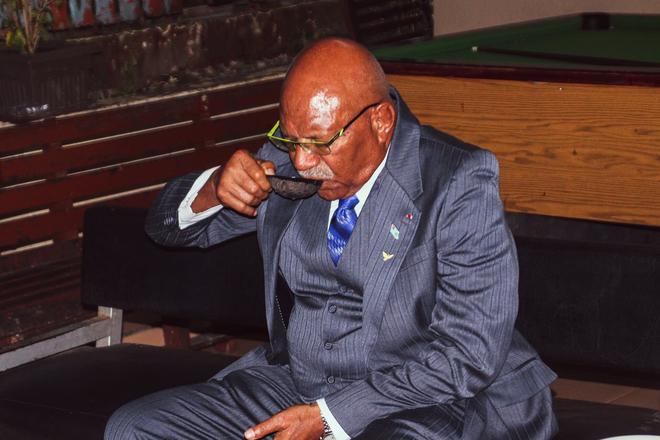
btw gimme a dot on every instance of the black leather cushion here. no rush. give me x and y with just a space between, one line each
580 420
589 293
71 395
123 268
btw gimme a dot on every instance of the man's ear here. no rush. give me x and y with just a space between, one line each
383 120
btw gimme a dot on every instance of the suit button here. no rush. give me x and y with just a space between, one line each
332 308
330 379
327 346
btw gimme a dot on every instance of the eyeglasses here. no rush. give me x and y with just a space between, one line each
319 147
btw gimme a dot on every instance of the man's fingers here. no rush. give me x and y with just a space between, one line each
264 428
238 205
248 193
299 422
243 185
253 168
267 168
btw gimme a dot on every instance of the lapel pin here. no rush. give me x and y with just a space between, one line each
394 231
409 216
387 256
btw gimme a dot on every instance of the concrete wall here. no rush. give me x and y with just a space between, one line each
461 15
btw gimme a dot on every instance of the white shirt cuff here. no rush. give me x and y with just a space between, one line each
334 425
185 213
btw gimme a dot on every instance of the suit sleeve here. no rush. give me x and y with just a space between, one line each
476 302
162 223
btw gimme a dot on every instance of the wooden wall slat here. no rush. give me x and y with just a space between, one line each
36 257
243 125
34 229
97 124
12 286
137 117
124 177
29 291
231 100
138 146
107 181
24 169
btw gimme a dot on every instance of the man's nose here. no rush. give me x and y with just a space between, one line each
304 160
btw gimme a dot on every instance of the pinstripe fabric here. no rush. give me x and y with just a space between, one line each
162 222
455 341
433 332
215 410
431 423
328 306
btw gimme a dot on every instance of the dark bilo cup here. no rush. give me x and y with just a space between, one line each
294 187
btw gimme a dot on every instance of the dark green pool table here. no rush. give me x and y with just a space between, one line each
597 43
570 106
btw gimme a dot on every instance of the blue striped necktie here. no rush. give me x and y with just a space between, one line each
342 224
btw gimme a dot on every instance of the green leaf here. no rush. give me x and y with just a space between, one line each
25 35
9 38
19 38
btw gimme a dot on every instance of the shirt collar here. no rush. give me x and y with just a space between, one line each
365 190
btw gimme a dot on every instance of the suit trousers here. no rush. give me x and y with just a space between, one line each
224 409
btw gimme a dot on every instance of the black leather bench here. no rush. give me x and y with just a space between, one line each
71 395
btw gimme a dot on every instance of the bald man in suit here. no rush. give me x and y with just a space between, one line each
402 268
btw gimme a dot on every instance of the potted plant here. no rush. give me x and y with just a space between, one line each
27 21
39 78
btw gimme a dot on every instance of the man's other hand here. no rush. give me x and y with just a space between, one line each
300 422
240 185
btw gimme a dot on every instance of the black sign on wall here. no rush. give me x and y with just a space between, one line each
377 22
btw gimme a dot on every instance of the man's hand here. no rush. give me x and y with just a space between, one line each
300 422
240 185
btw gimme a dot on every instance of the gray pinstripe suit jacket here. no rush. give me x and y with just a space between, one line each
453 279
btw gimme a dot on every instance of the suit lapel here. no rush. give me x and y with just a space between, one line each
390 219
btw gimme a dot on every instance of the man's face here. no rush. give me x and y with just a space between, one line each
354 155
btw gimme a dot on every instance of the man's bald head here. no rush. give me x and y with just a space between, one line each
339 64
330 74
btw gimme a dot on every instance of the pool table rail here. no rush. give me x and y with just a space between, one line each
587 151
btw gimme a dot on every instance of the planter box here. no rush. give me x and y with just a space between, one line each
56 80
